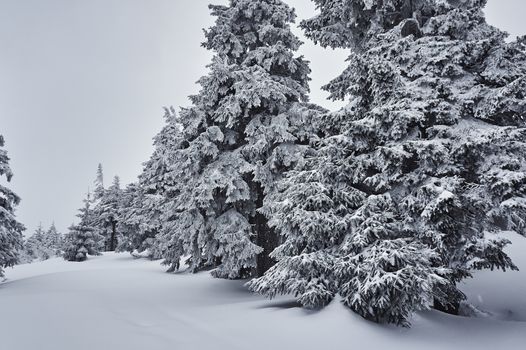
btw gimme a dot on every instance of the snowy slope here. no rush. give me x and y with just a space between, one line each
117 302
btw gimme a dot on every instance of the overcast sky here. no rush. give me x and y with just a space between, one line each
84 81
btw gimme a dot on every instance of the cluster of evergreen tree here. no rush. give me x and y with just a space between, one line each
389 202
42 244
84 239
115 219
11 238
200 196
97 230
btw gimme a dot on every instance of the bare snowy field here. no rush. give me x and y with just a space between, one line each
117 302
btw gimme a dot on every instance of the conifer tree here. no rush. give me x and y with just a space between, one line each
54 240
107 213
412 182
148 206
10 229
139 223
99 191
156 177
36 246
83 239
247 125
160 181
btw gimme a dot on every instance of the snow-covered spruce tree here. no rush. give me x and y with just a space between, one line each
143 214
414 179
106 212
83 239
54 240
99 190
245 128
10 229
139 223
160 181
32 244
36 247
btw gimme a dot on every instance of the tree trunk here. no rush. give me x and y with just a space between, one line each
266 237
451 303
113 234
452 309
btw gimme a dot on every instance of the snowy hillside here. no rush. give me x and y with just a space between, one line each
117 302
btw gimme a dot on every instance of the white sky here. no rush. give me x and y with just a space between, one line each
84 81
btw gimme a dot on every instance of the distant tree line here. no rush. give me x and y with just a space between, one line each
42 245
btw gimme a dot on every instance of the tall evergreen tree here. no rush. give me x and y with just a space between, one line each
99 184
147 206
245 128
107 213
54 240
36 247
10 229
83 239
139 221
414 179
160 181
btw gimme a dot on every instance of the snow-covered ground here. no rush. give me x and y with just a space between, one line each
118 302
